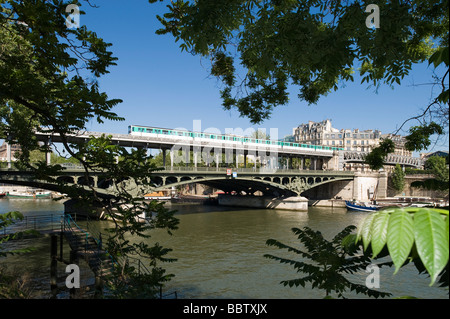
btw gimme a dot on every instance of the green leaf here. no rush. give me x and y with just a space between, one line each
379 233
365 230
446 227
440 56
431 241
400 237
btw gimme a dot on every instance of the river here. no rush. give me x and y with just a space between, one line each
220 250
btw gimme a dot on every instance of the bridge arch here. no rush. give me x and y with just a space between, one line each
276 183
277 186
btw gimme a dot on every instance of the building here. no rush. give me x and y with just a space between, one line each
15 148
399 142
355 140
437 153
322 133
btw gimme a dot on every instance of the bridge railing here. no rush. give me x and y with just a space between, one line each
250 170
13 166
95 234
48 222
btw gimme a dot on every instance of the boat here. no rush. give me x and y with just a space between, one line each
39 194
163 196
360 206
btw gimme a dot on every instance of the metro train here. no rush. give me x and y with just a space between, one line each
138 130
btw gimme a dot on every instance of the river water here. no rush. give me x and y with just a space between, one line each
220 250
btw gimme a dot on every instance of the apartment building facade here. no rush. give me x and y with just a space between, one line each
322 133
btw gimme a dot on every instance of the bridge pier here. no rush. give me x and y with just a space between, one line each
8 154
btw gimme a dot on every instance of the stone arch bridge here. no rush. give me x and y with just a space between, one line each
244 180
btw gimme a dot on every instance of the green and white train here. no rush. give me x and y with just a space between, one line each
233 140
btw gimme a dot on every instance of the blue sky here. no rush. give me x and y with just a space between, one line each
162 86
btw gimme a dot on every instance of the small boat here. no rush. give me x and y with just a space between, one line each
158 196
360 206
30 194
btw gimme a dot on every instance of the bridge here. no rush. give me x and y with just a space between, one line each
237 149
273 182
391 159
284 168
210 147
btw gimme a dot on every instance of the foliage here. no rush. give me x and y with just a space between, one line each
14 285
330 261
419 136
415 171
438 167
49 82
311 44
307 163
398 178
125 210
418 235
376 157
7 220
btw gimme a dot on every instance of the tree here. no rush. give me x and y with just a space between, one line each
49 82
8 220
258 48
398 178
439 168
13 286
313 44
260 135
